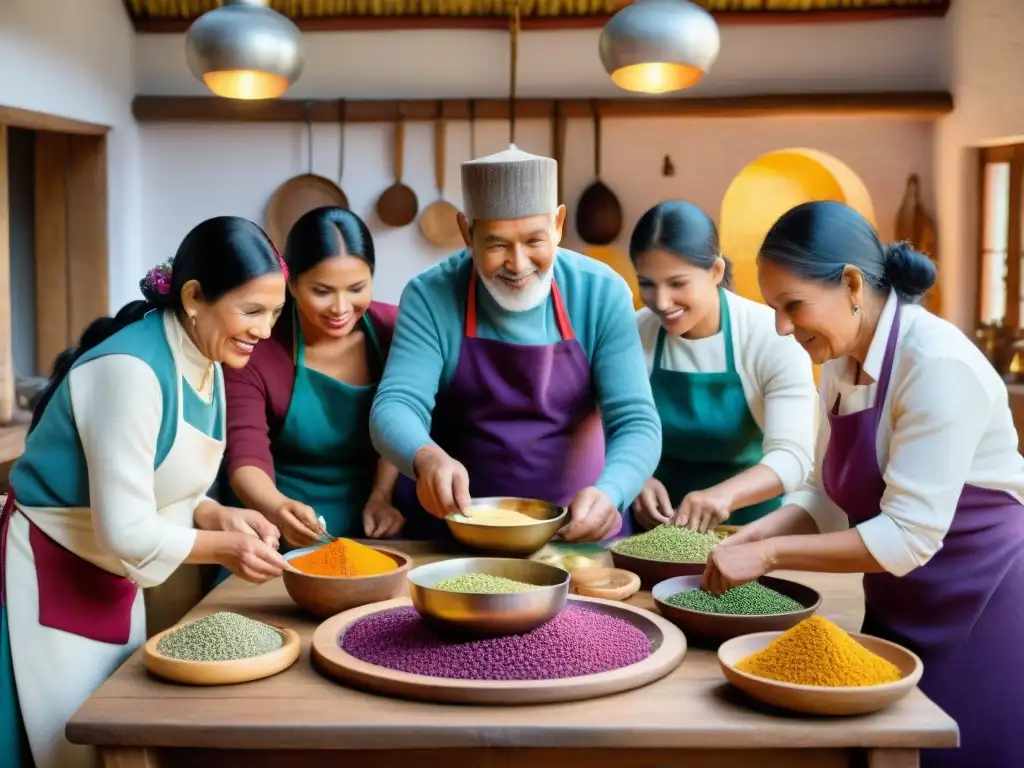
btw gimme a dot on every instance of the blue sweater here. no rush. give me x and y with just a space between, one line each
428 337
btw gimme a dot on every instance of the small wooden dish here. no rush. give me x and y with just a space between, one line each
221 672
668 647
722 626
327 595
819 700
606 583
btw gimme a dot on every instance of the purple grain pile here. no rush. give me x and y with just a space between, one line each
578 641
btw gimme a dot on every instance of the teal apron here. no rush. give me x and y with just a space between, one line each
708 432
323 456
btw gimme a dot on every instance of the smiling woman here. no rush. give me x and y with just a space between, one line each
736 401
298 416
917 452
111 489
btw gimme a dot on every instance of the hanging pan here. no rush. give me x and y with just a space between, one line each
397 206
598 213
301 194
439 220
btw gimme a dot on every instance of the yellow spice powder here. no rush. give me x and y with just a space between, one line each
817 652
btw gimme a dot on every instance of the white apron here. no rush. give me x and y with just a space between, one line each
56 671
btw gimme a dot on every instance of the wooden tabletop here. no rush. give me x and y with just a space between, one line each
692 708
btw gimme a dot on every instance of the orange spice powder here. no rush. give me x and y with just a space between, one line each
344 557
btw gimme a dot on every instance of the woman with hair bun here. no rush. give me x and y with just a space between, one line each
299 415
109 496
736 400
917 451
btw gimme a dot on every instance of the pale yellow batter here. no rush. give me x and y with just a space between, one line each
495 516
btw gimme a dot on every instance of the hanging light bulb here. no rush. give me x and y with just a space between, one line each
245 50
656 46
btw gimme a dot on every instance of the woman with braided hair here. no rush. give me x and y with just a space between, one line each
109 496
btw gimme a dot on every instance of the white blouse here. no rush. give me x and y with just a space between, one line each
118 406
777 377
946 422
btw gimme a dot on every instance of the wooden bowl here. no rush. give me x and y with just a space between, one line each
489 614
606 583
716 626
818 700
221 672
653 571
509 540
327 595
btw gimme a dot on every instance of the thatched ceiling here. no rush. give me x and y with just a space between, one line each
174 15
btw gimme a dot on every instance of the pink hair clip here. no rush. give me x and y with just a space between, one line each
284 267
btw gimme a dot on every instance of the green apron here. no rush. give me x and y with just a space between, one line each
323 456
708 432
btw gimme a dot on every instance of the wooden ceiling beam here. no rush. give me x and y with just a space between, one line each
150 25
926 105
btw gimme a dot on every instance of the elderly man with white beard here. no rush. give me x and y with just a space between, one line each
516 368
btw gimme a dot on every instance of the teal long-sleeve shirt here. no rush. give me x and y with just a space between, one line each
428 337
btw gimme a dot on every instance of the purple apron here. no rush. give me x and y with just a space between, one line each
962 612
522 419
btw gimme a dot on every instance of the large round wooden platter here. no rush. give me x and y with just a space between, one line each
667 641
221 672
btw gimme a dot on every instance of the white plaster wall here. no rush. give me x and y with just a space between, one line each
986 59
76 59
192 172
888 55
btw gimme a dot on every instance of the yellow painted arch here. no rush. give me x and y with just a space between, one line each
620 262
768 187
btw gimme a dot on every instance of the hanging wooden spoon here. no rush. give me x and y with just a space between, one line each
397 206
439 220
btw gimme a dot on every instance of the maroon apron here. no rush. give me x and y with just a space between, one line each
75 596
962 612
522 419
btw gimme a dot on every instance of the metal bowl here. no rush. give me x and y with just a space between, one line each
512 540
328 595
717 627
488 614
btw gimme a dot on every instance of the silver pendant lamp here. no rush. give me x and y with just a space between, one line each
245 50
657 46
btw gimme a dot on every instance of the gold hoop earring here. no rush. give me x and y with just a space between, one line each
856 311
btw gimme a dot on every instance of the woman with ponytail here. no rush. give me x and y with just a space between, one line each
917 455
110 493
299 414
736 400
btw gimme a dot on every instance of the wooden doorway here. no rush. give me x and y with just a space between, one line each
53 200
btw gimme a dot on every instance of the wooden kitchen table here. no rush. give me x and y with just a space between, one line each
300 719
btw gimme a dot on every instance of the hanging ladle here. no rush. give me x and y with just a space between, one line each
397 206
598 213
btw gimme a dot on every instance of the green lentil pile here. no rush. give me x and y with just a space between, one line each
483 584
222 636
671 543
751 599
